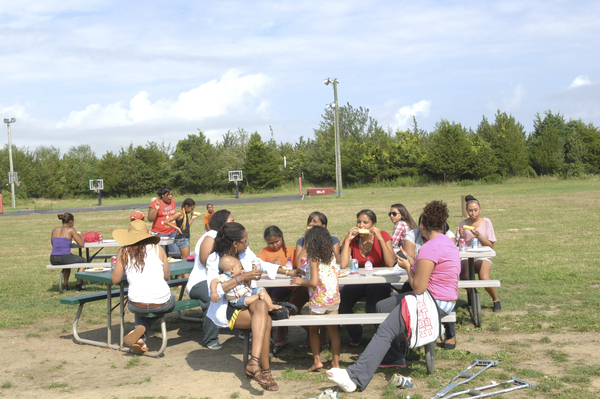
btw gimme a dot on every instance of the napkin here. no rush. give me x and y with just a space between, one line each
270 268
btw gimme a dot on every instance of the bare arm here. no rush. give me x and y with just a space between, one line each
77 238
386 247
484 241
172 219
119 270
205 249
314 276
163 256
419 279
346 252
153 211
300 253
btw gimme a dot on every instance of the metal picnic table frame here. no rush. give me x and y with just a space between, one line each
176 268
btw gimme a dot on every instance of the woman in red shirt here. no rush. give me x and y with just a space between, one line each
364 241
159 211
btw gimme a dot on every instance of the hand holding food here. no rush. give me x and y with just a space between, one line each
468 227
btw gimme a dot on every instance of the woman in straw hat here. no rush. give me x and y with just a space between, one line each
147 271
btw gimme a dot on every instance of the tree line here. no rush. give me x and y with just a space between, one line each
370 154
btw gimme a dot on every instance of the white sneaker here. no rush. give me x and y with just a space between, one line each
341 378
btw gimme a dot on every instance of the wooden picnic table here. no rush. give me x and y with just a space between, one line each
175 268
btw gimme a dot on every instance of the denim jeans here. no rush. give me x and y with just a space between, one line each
210 331
141 320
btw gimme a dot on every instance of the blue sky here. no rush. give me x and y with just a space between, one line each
108 73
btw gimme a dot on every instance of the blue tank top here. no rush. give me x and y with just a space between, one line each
61 246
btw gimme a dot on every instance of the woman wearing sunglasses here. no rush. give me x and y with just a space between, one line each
403 224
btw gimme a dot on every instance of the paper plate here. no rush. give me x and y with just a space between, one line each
387 273
174 260
480 249
104 269
343 274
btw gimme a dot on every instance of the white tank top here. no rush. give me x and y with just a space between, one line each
148 286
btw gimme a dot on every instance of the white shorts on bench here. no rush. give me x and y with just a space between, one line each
317 310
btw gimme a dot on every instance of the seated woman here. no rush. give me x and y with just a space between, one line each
197 286
436 269
414 241
147 270
403 224
365 241
61 248
476 226
232 240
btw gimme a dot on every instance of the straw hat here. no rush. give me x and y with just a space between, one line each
136 232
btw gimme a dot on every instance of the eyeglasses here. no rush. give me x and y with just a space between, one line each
394 214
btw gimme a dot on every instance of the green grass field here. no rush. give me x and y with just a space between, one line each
547 261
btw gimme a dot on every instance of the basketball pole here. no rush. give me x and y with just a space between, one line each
237 191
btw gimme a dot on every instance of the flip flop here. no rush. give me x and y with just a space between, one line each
137 348
134 336
284 312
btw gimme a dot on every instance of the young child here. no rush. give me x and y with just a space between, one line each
276 250
242 295
324 291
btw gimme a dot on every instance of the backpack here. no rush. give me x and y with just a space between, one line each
421 317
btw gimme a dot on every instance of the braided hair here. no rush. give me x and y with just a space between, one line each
274 231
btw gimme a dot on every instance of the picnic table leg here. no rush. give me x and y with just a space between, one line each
430 357
61 281
122 314
108 311
475 302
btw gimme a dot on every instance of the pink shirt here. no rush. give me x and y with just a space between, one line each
486 229
443 283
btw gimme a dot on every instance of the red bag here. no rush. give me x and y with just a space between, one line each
91 236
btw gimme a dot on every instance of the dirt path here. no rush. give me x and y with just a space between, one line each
43 361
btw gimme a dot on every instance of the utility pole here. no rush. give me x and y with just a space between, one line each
338 154
11 176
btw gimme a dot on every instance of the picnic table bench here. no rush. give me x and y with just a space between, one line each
304 320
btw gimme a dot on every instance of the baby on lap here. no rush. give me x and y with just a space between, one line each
242 295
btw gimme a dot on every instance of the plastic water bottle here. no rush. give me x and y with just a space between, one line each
368 267
288 265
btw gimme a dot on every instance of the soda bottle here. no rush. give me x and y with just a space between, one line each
369 267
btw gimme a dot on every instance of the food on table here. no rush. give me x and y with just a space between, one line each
170 259
364 231
97 269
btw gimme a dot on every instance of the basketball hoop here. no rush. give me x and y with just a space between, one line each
235 175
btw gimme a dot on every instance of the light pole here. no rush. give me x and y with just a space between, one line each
338 155
12 181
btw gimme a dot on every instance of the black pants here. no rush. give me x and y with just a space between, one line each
350 294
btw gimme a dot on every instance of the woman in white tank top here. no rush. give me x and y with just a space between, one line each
147 270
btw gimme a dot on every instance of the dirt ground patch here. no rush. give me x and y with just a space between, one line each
43 361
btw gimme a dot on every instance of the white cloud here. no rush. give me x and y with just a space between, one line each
211 99
404 115
581 80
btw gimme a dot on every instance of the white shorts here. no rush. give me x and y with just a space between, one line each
478 259
318 310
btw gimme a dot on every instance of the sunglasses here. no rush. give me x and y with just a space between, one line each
394 214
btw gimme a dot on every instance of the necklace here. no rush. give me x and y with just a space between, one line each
362 248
